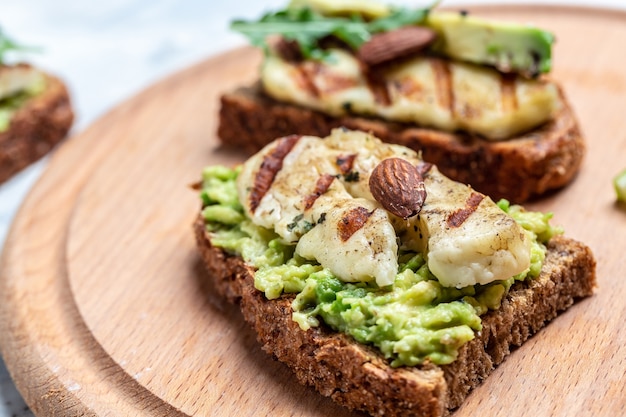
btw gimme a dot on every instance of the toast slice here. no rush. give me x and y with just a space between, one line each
519 169
35 128
359 377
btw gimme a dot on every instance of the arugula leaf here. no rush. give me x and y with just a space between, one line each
308 27
397 19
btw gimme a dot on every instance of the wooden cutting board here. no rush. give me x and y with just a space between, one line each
105 309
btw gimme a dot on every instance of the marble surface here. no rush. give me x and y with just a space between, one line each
109 51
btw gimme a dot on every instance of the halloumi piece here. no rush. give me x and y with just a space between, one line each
470 240
424 90
314 193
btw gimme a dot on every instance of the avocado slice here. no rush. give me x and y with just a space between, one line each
509 47
369 9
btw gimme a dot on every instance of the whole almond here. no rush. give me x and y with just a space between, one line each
399 43
398 186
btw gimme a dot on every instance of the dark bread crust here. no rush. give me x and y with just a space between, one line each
519 169
358 377
35 128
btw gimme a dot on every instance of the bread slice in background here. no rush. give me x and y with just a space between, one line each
519 169
359 377
35 128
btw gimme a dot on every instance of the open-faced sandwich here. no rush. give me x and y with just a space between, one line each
375 278
35 112
473 95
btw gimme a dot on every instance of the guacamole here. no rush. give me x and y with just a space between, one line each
9 105
412 321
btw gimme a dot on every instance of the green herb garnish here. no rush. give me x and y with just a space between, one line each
9 45
352 176
308 27
619 183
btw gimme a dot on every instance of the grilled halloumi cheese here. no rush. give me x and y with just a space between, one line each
17 78
314 192
425 90
468 239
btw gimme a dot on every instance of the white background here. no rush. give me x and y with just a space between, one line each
107 51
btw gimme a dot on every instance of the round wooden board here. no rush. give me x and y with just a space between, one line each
105 308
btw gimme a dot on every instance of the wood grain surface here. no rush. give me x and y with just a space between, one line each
105 309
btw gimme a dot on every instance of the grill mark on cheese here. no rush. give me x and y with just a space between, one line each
334 82
304 80
443 83
378 86
507 92
352 221
272 163
321 186
345 163
410 88
308 72
458 217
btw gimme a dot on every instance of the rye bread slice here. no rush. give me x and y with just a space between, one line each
39 125
518 169
359 378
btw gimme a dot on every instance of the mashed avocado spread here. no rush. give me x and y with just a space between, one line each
412 321
9 105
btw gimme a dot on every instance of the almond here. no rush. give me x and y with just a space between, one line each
399 43
398 186
287 49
